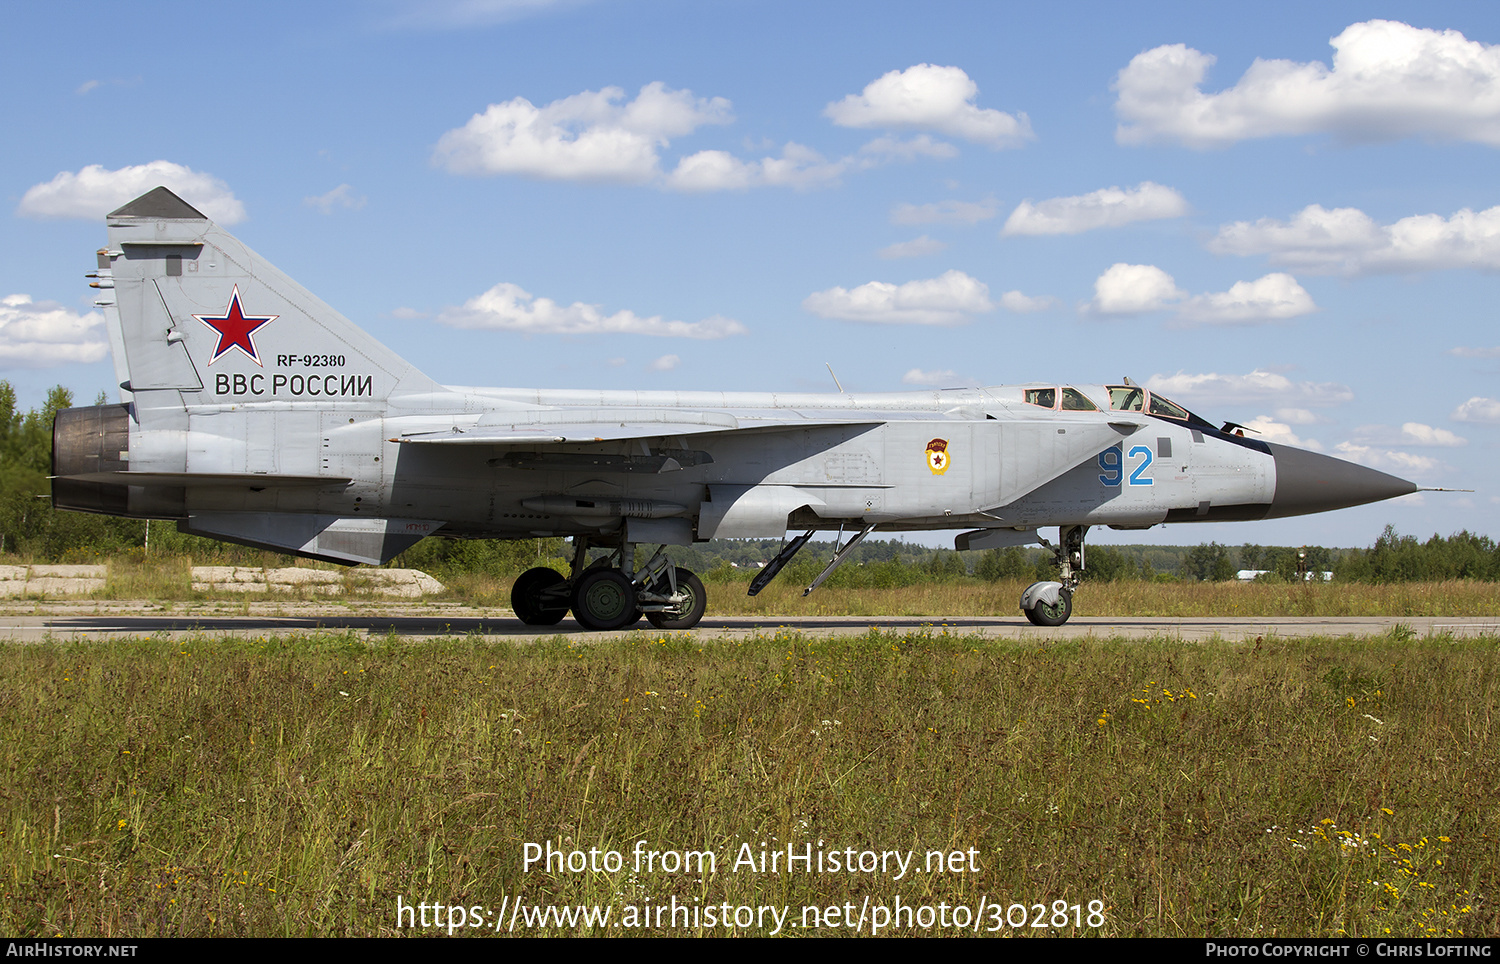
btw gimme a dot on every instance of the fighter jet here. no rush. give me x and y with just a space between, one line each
254 413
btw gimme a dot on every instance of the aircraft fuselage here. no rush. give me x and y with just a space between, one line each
255 413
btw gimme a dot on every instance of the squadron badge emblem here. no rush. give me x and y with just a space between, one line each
937 456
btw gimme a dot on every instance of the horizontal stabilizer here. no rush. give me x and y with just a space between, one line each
330 538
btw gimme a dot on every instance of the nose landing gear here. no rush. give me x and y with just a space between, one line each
1051 603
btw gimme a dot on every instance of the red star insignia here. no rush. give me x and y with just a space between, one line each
235 328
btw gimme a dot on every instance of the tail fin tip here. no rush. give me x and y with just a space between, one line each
158 203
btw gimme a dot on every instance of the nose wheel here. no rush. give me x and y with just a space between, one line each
1051 603
1044 613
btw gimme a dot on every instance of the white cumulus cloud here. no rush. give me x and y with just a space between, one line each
1129 289
1386 460
1025 304
507 307
1275 297
1108 207
948 299
915 248
93 192
1348 241
895 149
798 167
1411 433
945 212
1126 289
1299 416
938 378
1477 409
1388 80
592 136
41 334
665 363
1463 352
1259 387
342 196
929 97
1270 430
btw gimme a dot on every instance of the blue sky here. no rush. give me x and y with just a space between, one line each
1284 215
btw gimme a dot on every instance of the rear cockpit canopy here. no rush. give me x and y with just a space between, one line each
1072 400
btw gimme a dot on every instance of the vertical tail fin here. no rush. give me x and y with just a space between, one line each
198 314
253 412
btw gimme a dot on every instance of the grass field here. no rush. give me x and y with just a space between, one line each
316 785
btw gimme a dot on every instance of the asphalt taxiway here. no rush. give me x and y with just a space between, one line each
41 622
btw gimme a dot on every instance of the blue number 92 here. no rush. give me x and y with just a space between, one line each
1112 462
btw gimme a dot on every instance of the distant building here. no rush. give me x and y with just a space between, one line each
1250 575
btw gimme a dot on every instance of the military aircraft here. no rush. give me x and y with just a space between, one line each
254 413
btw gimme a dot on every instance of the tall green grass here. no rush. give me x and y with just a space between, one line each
301 785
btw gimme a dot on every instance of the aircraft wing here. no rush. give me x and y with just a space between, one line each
574 425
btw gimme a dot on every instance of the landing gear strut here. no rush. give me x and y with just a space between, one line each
610 593
1051 603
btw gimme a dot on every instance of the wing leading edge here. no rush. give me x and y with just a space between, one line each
572 425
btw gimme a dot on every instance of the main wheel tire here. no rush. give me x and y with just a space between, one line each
604 600
1055 615
692 607
526 597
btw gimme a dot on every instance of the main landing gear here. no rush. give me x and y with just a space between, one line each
1051 603
606 595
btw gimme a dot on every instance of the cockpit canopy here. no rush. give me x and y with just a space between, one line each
1072 399
1133 398
1122 398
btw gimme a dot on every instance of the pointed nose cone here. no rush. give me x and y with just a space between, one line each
1308 482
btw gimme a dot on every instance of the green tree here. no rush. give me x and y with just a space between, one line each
1208 562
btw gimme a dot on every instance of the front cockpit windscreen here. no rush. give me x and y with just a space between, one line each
1133 398
1126 398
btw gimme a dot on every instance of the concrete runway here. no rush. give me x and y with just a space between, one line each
89 620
